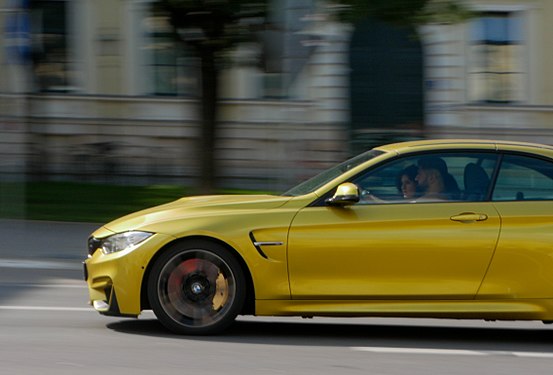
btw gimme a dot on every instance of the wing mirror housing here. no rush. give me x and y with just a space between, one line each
346 194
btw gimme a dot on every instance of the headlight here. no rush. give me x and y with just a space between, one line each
123 241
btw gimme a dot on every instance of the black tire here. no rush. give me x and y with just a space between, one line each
196 288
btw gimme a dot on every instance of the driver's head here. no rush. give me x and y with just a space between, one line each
431 169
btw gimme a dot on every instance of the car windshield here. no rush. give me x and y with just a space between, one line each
323 178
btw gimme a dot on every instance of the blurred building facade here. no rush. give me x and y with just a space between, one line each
491 77
104 92
98 90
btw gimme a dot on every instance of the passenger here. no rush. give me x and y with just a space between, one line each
406 182
431 179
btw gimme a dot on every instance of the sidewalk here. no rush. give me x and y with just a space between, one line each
44 240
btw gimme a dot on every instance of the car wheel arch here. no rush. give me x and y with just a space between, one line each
249 303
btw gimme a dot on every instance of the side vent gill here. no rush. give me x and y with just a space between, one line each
257 247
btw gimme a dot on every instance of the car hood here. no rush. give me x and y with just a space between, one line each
195 206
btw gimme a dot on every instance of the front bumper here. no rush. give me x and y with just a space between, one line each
115 280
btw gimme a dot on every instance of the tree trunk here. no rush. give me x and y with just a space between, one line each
208 134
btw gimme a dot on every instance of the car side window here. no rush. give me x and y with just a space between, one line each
431 177
524 178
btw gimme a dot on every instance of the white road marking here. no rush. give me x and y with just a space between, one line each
46 308
391 350
458 352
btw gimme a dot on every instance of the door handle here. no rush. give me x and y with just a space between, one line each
466 217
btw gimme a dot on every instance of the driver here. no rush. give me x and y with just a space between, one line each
431 179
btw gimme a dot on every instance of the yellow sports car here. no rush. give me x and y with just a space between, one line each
441 228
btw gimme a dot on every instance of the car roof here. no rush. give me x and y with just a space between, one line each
445 144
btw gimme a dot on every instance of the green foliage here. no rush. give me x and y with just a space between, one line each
444 12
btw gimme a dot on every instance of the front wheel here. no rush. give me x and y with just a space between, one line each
196 288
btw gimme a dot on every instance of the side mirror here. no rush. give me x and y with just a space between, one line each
346 195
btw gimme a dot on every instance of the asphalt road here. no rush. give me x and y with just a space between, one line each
46 327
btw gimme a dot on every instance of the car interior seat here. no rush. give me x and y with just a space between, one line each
451 187
476 182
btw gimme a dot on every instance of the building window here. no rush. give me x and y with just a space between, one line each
49 46
496 68
174 70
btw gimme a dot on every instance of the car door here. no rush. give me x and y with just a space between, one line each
523 263
385 247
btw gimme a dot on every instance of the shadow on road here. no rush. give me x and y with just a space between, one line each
311 333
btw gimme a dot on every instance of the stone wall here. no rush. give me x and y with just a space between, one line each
261 144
